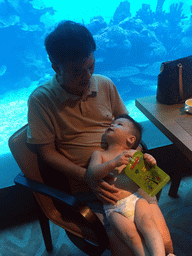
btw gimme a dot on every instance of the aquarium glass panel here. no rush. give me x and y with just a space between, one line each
133 38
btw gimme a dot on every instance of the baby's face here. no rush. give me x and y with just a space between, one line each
120 128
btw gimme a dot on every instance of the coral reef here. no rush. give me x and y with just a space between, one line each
146 14
175 15
122 12
148 37
153 35
96 24
159 7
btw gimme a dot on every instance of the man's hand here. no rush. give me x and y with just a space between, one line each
104 191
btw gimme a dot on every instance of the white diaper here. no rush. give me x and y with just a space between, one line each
125 206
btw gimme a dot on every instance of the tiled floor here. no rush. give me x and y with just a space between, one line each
26 240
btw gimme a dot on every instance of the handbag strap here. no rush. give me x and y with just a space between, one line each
181 81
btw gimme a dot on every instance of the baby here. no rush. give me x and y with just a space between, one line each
131 216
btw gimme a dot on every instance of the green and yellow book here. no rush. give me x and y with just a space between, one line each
150 178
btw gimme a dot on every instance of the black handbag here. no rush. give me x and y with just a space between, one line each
175 81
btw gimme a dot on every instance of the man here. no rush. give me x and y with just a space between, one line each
68 115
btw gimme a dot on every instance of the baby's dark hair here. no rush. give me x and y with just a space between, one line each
137 129
69 41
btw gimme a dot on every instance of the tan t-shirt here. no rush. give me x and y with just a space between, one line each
75 124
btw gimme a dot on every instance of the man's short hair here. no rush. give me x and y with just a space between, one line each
137 129
69 41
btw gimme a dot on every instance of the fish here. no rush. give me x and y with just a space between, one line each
3 69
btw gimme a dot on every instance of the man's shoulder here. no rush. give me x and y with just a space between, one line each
102 78
42 89
103 82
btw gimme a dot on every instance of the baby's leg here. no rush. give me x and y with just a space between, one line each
159 220
162 226
146 224
127 231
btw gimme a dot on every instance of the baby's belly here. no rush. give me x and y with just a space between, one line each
124 183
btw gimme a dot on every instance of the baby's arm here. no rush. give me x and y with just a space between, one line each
98 170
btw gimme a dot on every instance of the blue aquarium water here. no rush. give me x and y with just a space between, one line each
132 37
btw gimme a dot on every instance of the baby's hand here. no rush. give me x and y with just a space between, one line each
150 159
124 157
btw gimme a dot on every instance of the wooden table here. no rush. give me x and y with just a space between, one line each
174 122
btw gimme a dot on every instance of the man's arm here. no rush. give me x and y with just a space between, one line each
105 192
52 157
